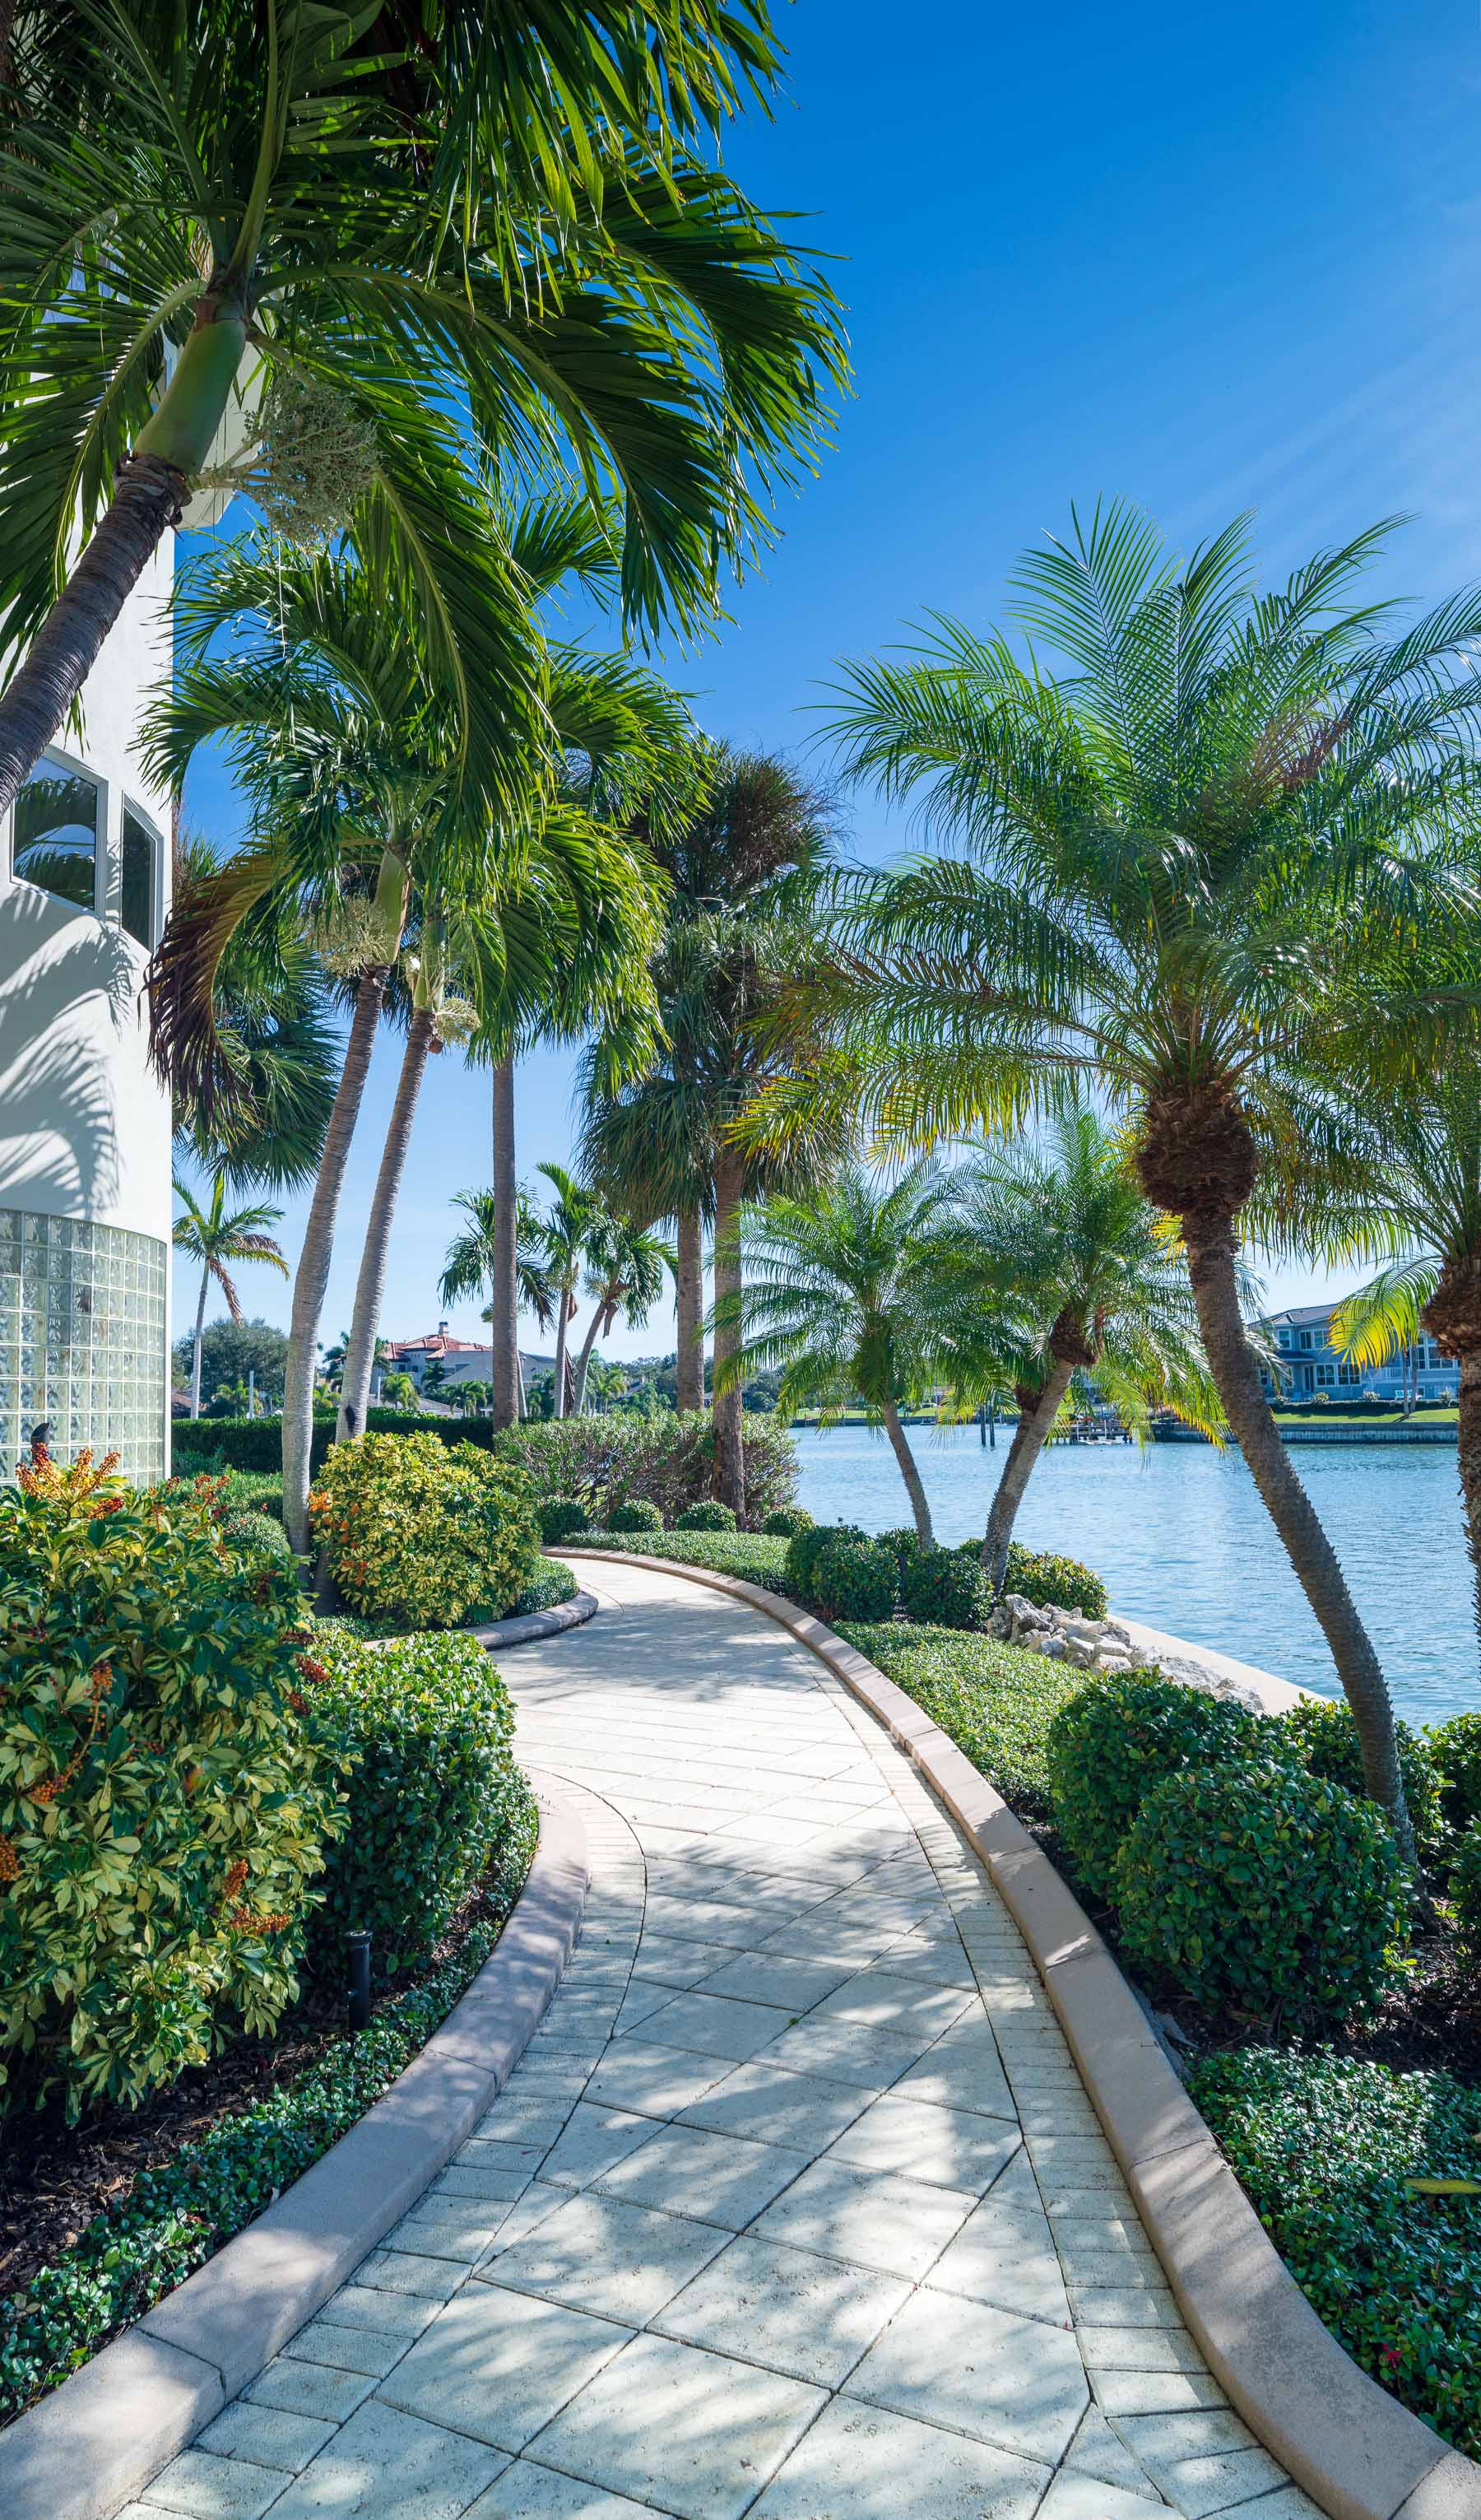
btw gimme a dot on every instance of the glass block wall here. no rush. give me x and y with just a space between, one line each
82 1340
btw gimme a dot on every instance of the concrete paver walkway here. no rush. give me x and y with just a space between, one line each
794 2205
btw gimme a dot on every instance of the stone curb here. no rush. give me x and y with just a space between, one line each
99 2439
535 1624
1351 2447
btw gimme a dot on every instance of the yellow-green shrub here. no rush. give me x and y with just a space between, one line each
166 1797
422 1532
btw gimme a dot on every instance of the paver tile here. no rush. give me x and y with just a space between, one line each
666 1960
962 2070
310 2389
794 2311
1004 2251
1096 2450
762 1977
692 2432
618 2260
771 2106
714 2178
1160 2393
904 2005
525 2491
1073 2497
363 2351
716 2025
392 2314
498 2365
654 2081
592 2140
848 2051
862 2463
270 2436
214 2489
386 2466
897 2225
981 2371
949 2147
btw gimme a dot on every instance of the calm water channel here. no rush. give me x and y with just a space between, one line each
1183 1542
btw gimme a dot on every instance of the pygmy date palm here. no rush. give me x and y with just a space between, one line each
1189 871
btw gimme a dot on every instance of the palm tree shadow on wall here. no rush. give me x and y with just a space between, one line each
59 1123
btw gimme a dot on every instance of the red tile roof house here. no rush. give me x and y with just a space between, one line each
463 1359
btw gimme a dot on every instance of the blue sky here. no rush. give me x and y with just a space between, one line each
1209 259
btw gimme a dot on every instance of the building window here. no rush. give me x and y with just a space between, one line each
82 1340
137 893
57 834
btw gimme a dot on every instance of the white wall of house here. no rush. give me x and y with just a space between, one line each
84 1124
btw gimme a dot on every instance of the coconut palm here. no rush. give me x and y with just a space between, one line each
1058 1269
1193 871
839 1288
625 1274
738 869
572 1230
339 735
474 1257
215 1238
308 251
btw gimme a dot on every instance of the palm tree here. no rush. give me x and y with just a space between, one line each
1191 871
337 728
839 1290
473 1258
625 1274
571 1229
739 869
1057 1267
214 1238
1408 1191
307 251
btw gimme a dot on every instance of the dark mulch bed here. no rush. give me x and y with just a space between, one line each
54 2179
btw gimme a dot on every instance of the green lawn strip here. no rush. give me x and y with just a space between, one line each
750 1555
1322 2145
994 1700
175 2217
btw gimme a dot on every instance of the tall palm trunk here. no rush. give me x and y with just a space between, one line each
914 1489
1469 1448
730 1448
149 490
370 1284
312 1274
688 1296
205 1280
562 1326
1037 1411
504 1304
601 1321
1210 1245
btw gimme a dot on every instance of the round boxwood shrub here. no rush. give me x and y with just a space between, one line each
257 1540
425 1534
1326 1743
561 1519
166 1795
805 1548
1114 1742
943 1588
425 1725
1253 1886
1053 1582
1455 1750
708 1515
785 1522
855 1578
636 1515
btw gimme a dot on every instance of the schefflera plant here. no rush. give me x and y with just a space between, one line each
167 1794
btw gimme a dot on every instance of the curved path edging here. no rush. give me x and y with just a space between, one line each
535 1624
1351 2447
98 2439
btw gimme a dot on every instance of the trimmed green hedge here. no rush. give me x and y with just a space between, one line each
426 1724
177 2216
944 1587
1114 1745
551 1584
996 1701
1326 1739
635 1513
749 1555
1322 2145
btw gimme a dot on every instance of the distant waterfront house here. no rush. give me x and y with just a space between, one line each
461 1360
1308 1364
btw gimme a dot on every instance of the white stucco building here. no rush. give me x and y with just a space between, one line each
84 1124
